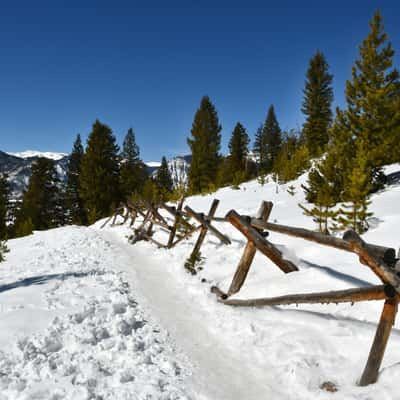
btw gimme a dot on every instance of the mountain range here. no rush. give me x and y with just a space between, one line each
18 167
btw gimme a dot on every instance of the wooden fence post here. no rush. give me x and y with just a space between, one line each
203 232
248 253
176 223
371 371
202 219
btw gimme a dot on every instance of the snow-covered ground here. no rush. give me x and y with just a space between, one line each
85 314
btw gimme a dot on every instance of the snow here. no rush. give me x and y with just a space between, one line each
36 153
88 315
153 164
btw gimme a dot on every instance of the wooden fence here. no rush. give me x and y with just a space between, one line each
186 222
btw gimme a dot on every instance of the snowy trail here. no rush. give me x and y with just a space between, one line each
73 329
221 374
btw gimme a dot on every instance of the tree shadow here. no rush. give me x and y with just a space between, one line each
43 279
337 275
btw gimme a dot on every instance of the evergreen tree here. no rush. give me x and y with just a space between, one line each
371 96
76 210
99 183
268 142
3 250
358 185
323 191
4 198
260 149
163 180
318 97
293 158
205 145
41 201
133 172
238 149
4 205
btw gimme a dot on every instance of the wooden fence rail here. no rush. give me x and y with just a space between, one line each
186 221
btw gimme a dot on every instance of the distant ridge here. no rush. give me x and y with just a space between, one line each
35 153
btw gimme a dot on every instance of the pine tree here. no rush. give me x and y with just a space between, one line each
323 191
205 145
99 183
371 97
238 149
163 180
268 142
260 149
358 186
41 200
318 97
133 172
293 158
76 210
4 205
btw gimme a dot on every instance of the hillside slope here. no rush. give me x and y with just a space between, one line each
87 314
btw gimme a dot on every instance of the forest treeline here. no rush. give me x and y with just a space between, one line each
345 151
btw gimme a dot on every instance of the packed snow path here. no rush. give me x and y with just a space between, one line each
71 326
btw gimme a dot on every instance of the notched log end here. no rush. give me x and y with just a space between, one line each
218 292
390 291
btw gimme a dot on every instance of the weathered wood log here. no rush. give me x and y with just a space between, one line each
218 292
248 254
385 273
149 238
202 220
174 212
263 245
157 216
371 371
203 231
336 296
187 235
133 215
385 254
323 239
106 222
217 219
137 208
176 223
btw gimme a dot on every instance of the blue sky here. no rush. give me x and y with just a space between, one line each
147 65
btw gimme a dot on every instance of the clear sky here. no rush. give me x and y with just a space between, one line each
147 64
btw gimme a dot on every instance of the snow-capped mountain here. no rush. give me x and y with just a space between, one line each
178 167
18 168
35 153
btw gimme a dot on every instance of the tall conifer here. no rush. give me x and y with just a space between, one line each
238 148
371 115
41 203
76 210
4 205
205 144
133 172
268 142
99 183
318 97
260 148
163 180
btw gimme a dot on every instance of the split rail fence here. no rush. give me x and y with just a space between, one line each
186 222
